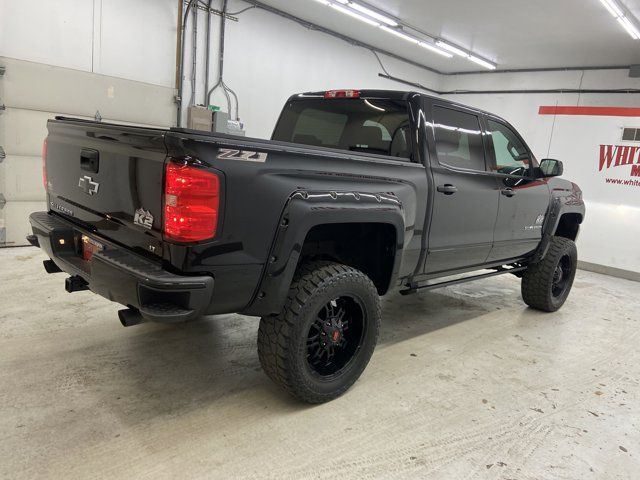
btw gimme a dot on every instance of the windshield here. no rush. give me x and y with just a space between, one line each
375 126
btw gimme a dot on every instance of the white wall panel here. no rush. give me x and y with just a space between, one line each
128 39
57 32
138 40
22 131
610 235
34 86
21 179
16 219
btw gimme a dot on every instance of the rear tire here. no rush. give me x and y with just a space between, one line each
323 339
546 284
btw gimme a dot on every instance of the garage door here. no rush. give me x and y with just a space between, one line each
32 93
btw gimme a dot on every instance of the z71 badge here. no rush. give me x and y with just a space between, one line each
245 155
143 218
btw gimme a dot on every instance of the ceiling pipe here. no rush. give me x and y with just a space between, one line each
194 57
207 54
183 27
499 92
179 42
220 83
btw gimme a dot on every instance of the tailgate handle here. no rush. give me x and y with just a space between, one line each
89 160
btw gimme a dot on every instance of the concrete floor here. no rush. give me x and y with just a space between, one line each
466 383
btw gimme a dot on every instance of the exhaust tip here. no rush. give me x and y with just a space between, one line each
75 284
51 267
130 317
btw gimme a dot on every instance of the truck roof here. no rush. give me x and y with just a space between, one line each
393 95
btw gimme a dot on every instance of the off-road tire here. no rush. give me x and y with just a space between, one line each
538 279
282 338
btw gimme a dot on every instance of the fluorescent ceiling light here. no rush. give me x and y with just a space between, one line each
452 49
484 63
353 14
373 14
435 49
612 7
400 34
629 27
615 10
441 47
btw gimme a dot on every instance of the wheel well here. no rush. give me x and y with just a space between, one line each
369 247
569 225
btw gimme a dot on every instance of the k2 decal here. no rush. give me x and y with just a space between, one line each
244 155
537 226
143 218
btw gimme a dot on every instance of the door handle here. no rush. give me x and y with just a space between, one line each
508 192
447 189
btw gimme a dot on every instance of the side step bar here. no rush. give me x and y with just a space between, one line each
432 286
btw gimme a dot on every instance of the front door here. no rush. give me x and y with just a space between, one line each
465 203
523 198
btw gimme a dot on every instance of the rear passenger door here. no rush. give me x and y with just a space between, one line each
465 201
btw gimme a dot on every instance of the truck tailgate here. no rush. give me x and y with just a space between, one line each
109 179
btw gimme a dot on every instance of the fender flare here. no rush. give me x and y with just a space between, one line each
305 210
556 210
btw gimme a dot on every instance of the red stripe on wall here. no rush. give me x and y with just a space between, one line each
592 111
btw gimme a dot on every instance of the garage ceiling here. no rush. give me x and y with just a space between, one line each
514 34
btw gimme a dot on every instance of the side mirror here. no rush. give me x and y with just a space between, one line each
551 168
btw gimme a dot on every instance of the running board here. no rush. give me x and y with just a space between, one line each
431 286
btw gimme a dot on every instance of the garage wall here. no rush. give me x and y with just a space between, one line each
612 226
268 58
128 39
34 93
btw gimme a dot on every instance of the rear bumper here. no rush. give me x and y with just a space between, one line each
121 276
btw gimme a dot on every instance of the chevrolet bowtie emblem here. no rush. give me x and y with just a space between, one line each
87 185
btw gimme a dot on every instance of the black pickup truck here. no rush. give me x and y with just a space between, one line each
357 193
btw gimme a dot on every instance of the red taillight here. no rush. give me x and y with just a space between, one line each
342 94
191 203
44 163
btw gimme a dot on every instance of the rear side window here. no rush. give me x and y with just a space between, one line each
458 139
376 126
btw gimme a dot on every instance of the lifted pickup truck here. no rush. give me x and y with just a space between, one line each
357 193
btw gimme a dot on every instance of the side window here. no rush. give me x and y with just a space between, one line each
512 157
458 139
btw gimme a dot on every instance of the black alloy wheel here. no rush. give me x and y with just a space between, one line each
335 336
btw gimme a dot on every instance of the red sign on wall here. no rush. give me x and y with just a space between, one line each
612 156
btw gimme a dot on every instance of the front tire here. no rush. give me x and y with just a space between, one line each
323 339
546 284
